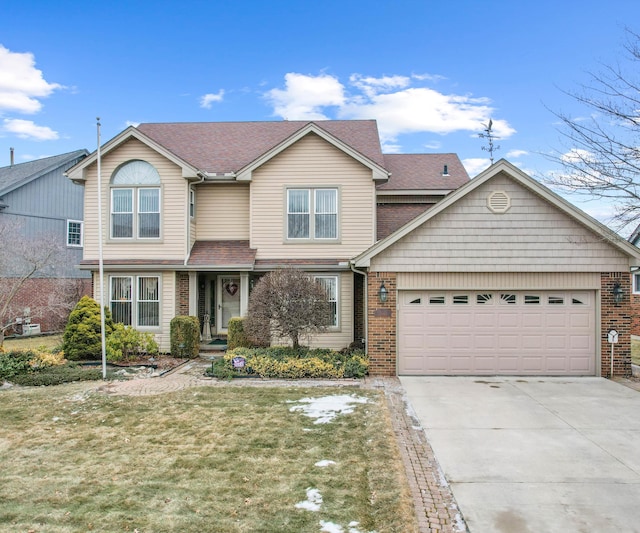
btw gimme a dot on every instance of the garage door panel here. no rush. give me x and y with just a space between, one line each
493 332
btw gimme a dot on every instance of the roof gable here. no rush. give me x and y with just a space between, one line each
78 172
505 168
15 176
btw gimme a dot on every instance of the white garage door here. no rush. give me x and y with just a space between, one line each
496 332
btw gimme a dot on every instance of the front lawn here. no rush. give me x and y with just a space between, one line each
220 459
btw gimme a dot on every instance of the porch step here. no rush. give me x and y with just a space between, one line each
217 344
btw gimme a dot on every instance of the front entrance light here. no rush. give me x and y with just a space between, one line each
383 293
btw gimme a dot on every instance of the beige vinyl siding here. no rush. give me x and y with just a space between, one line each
174 204
312 162
222 212
532 236
498 280
344 335
167 301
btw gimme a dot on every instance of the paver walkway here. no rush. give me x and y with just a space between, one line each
435 506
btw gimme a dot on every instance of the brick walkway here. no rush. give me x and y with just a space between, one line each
435 506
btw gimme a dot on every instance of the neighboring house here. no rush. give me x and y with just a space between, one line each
496 275
44 207
635 289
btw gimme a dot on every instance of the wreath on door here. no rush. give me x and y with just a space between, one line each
231 287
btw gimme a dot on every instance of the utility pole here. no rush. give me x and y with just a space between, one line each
488 134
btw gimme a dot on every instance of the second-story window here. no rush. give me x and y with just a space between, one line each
312 214
135 201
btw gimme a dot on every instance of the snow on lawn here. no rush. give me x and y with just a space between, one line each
330 527
313 501
325 462
327 408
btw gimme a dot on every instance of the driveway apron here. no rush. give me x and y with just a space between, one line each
527 455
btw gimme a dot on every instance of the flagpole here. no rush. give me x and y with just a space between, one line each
101 262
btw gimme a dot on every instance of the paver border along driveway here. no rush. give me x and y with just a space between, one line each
529 455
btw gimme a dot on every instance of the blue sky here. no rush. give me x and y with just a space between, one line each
431 72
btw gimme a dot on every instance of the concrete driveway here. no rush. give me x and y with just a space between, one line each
530 455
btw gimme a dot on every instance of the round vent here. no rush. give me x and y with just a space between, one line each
498 202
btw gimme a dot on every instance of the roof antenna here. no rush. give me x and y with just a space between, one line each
488 134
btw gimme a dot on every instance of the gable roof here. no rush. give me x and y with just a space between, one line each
228 147
423 172
15 176
635 236
502 166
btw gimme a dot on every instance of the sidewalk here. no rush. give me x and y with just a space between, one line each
435 506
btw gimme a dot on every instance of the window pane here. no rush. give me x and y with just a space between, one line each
330 285
121 300
122 213
148 213
74 233
326 214
148 301
298 214
136 173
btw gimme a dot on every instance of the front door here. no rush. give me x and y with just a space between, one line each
228 301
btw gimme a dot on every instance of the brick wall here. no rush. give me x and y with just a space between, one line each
618 317
382 325
358 308
50 300
182 293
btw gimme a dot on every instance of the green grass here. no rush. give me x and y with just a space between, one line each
216 459
635 352
47 341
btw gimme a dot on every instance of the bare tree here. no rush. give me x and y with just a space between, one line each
601 153
288 304
22 261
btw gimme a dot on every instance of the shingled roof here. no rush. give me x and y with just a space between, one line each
225 147
423 172
14 176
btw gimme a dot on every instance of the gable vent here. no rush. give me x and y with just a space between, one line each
498 202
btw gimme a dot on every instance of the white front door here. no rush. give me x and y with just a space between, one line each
228 296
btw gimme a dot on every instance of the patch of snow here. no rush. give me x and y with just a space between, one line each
330 527
55 418
313 501
458 523
327 408
325 462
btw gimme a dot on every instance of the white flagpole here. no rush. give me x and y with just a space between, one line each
101 262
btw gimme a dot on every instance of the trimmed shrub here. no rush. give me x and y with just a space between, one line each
185 336
236 337
13 363
126 342
288 363
82 339
57 375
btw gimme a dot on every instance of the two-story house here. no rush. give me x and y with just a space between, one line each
434 272
42 208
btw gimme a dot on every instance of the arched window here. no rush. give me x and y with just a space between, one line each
135 201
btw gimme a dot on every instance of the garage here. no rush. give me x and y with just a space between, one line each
497 332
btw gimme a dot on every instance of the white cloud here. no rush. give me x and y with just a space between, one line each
516 153
398 106
131 123
208 99
304 96
21 83
475 165
27 129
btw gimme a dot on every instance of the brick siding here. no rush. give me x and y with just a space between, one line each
182 293
618 317
381 325
36 294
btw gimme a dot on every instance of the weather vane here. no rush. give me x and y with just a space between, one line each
488 134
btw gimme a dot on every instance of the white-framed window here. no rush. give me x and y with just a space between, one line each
636 284
74 233
330 285
192 203
312 214
135 300
135 201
